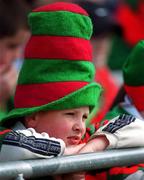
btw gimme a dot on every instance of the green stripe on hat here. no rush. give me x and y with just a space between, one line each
133 69
60 23
43 70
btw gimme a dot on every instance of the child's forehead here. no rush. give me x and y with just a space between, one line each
78 109
84 109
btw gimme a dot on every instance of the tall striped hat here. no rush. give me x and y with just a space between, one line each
133 72
58 72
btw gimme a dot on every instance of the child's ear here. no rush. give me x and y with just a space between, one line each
31 121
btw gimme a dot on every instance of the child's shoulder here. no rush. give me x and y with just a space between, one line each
3 132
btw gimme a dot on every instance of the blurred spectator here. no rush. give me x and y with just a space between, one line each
104 24
130 17
14 32
130 97
31 3
44 2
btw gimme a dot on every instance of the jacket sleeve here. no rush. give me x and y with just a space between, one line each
123 131
27 144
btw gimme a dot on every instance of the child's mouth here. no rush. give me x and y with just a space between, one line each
73 140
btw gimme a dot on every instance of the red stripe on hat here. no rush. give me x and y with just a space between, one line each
61 6
136 93
41 94
58 47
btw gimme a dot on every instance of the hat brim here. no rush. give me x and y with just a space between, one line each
86 96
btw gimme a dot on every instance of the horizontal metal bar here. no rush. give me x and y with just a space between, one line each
69 164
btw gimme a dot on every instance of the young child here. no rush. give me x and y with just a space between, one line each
130 98
56 93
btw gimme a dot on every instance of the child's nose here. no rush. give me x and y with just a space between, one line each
79 127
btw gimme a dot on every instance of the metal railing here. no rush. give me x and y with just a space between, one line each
68 164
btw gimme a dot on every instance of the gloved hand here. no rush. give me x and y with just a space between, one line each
123 131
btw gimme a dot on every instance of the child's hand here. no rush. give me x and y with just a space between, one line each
99 143
74 176
8 78
74 149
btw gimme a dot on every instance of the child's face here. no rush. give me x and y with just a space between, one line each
11 47
68 125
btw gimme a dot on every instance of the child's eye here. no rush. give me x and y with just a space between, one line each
85 117
70 113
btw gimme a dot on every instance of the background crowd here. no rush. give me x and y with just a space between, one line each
118 26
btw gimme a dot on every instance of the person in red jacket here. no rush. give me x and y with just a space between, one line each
130 18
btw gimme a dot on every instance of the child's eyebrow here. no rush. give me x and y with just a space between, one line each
67 111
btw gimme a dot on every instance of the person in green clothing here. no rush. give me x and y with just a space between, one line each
130 97
56 93
129 101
